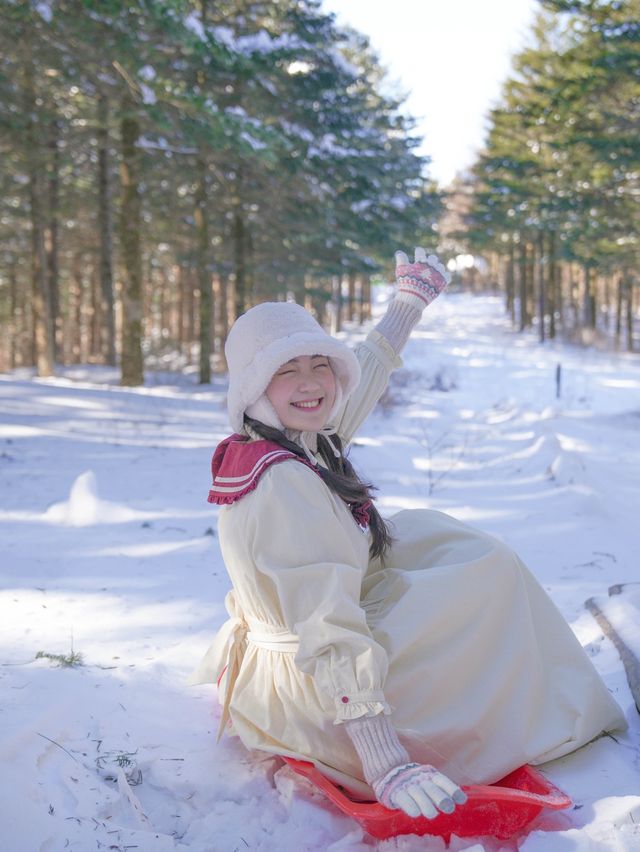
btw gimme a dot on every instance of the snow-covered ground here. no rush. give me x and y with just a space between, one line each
108 550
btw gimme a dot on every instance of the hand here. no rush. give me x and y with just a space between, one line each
418 789
421 282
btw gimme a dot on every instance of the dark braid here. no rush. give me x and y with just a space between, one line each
340 477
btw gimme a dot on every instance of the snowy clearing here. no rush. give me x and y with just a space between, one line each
109 552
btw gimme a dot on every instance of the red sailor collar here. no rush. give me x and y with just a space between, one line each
238 464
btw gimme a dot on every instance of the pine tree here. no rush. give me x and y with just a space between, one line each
560 172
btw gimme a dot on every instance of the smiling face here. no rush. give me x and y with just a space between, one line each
302 392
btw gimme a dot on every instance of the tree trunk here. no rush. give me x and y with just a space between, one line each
523 288
336 285
173 295
185 310
619 302
606 282
51 235
190 312
204 275
552 285
132 368
74 320
94 315
510 283
366 297
41 293
166 305
542 308
574 288
105 235
20 337
320 307
239 262
253 296
589 298
530 273
180 307
230 305
494 273
221 320
629 300
14 318
308 295
352 296
360 301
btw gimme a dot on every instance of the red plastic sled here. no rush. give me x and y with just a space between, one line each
500 810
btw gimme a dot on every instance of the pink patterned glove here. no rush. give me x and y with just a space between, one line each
421 282
418 789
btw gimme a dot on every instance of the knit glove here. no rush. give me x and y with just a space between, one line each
418 789
422 281
418 284
413 788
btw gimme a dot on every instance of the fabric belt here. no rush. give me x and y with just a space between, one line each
283 641
258 633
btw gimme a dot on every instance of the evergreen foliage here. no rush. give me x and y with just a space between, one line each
166 164
554 196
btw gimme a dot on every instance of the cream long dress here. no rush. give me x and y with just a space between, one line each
453 636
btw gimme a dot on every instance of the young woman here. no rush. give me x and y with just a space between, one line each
403 657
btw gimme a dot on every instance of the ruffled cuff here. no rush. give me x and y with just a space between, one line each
359 704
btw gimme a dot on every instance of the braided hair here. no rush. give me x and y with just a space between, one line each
340 477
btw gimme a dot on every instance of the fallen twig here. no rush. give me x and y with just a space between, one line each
629 660
57 744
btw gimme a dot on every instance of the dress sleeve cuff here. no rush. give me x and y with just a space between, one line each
357 705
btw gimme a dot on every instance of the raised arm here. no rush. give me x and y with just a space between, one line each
377 360
417 285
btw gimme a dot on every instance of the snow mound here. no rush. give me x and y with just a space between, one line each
567 468
84 508
605 837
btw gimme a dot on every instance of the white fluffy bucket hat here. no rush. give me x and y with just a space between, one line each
266 337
